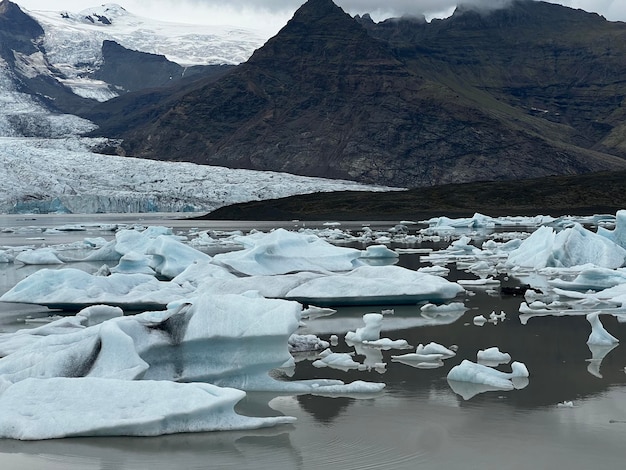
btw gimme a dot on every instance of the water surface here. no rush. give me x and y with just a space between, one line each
417 422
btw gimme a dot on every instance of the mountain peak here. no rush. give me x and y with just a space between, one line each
323 32
104 14
316 12
316 9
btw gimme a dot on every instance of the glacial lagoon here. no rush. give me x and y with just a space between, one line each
570 414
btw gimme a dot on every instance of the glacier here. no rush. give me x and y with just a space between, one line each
73 44
42 175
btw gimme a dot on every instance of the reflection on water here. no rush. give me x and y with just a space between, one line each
419 421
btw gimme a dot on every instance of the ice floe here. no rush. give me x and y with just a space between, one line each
375 285
486 378
51 408
430 356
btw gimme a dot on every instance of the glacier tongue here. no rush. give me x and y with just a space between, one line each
64 175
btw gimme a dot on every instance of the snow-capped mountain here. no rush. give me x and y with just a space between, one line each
73 43
75 38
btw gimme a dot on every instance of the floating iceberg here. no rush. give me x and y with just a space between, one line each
69 407
73 289
341 361
592 278
226 340
369 285
493 379
282 252
618 235
430 356
599 335
369 332
379 251
573 246
492 357
41 256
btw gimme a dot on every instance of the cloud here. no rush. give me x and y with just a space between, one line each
271 14
612 9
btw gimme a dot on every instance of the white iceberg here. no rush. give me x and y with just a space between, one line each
133 263
593 278
378 251
572 246
599 335
618 234
41 256
472 372
64 407
277 286
426 357
369 332
282 252
492 357
226 340
305 343
73 289
90 316
341 361
375 285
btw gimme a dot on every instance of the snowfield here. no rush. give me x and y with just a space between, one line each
73 39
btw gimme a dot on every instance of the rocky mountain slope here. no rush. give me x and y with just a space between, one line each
531 90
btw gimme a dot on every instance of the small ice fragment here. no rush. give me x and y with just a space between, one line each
479 320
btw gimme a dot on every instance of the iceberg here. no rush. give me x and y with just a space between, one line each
73 289
618 234
378 251
369 285
599 335
54 408
430 356
492 357
41 256
168 255
226 340
282 252
572 246
369 332
369 335
480 374
592 278
340 361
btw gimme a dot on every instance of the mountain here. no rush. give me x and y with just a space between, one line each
69 61
46 162
530 90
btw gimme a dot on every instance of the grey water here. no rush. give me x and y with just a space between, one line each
417 422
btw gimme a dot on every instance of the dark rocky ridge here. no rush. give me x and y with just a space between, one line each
130 70
21 34
479 96
596 193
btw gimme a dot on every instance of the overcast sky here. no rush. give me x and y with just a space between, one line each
271 15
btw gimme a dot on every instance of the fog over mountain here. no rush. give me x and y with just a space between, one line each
270 15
